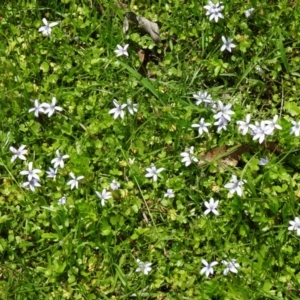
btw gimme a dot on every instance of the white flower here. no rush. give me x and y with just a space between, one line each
51 173
31 173
62 201
46 30
32 184
259 132
59 160
74 181
211 206
295 225
208 269
263 161
214 10
18 153
227 44
230 266
296 128
114 185
169 194
131 161
118 110
223 111
202 126
132 107
270 126
202 97
244 126
249 12
104 195
153 172
235 186
121 50
222 124
188 157
38 108
144 267
51 108
259 69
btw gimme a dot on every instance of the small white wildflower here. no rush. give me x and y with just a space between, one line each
114 185
227 44
188 157
74 181
18 153
222 124
46 29
202 126
208 269
230 266
51 173
121 50
270 126
223 111
33 183
211 206
296 128
59 160
153 172
235 186
249 12
31 173
118 110
132 107
202 97
38 108
62 201
104 195
214 10
244 126
263 161
295 225
51 108
144 267
169 194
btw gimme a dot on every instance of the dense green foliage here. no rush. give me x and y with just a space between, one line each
83 250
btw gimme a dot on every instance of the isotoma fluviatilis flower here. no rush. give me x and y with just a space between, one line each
230 266
188 156
153 172
295 225
208 267
211 207
104 195
227 44
144 267
74 181
46 29
18 153
118 110
235 186
121 50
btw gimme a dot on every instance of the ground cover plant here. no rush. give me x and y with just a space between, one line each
138 164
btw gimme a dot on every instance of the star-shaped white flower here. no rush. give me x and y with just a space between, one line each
263 161
222 124
62 200
121 50
211 207
295 225
118 110
244 126
114 185
249 12
227 44
31 173
296 128
51 108
169 194
46 29
104 195
235 186
38 108
74 181
259 131
202 126
58 161
51 173
132 107
272 125
188 157
33 183
214 10
208 269
144 267
18 153
230 266
202 97
223 111
153 172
